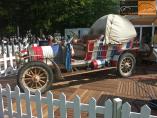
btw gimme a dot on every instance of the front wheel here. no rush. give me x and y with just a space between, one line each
35 76
126 65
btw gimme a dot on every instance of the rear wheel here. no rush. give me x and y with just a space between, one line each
126 64
35 76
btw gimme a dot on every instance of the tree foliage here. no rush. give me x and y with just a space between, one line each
52 15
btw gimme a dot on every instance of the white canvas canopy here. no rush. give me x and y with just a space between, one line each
115 28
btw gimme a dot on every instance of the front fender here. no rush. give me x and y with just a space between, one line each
57 71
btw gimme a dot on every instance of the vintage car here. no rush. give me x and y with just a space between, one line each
114 48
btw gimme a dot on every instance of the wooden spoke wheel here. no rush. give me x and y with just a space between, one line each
35 76
126 64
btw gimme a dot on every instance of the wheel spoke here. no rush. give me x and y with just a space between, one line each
28 75
128 69
43 77
27 78
40 84
41 74
42 81
39 71
122 65
123 62
31 72
28 82
32 84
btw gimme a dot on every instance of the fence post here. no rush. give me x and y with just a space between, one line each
108 109
8 51
50 105
145 112
28 103
2 49
77 109
5 61
38 104
92 108
12 46
11 59
63 109
1 103
9 101
117 105
126 109
18 102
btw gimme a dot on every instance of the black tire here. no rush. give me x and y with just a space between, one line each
35 76
126 65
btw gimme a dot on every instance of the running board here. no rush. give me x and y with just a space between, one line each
80 72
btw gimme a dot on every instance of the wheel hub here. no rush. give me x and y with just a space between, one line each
36 78
127 65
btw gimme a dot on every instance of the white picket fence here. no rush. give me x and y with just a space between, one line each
110 109
7 65
7 59
7 49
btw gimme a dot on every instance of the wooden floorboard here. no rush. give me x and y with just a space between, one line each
141 86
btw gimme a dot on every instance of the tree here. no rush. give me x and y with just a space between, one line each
52 15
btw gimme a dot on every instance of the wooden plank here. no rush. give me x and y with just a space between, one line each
140 88
152 92
120 88
132 88
135 91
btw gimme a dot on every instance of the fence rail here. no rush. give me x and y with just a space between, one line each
110 109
